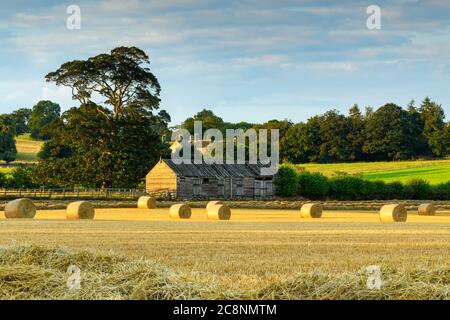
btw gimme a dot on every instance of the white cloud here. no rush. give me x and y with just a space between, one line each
32 20
264 60
332 66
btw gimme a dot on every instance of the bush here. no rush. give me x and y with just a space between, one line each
373 190
3 180
313 185
394 190
9 156
346 187
342 186
419 189
441 191
286 181
22 178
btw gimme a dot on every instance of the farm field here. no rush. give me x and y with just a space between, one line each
27 148
27 151
259 254
434 171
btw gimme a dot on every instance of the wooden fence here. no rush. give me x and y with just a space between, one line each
119 194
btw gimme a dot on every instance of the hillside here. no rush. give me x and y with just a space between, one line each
27 151
434 171
27 148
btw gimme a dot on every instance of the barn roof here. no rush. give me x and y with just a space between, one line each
215 170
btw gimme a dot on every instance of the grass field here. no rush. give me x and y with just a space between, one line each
433 171
259 254
27 148
27 151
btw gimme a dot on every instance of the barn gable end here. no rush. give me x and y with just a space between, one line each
160 178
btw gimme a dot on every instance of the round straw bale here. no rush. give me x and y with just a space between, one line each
147 203
180 211
219 212
20 208
427 209
393 213
311 210
213 203
80 210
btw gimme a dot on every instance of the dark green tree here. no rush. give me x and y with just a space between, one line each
42 115
419 144
447 138
283 126
209 121
334 132
314 140
297 145
388 136
110 144
8 151
356 133
20 119
434 126
238 125
3 180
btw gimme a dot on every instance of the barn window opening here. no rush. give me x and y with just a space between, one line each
205 180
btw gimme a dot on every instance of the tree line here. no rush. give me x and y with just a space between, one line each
389 133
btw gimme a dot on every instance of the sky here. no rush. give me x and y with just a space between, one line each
249 60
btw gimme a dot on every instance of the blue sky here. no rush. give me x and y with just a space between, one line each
250 60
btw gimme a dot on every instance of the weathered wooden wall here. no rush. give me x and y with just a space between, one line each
161 177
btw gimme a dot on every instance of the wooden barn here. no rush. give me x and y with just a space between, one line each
214 181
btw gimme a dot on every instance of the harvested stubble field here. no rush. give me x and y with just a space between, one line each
259 254
367 205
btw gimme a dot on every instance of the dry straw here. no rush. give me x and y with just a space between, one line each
219 212
213 203
20 208
180 211
80 210
31 272
311 210
147 203
393 213
427 209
